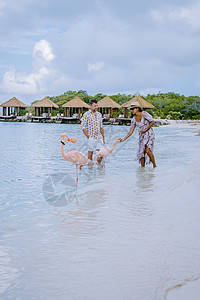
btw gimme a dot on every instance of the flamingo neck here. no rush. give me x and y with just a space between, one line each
114 144
62 150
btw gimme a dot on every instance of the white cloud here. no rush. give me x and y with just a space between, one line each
43 49
189 14
157 16
2 5
99 46
35 82
14 82
95 67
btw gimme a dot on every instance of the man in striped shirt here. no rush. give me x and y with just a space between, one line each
92 127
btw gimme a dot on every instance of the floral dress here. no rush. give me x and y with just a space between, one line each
145 139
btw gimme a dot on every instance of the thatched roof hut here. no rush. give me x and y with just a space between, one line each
107 102
44 106
143 103
76 102
108 105
140 100
12 103
45 102
75 106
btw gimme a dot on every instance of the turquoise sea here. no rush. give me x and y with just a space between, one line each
123 233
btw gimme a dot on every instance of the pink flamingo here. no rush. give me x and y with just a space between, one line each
105 151
74 156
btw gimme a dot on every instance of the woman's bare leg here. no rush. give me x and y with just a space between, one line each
90 154
142 161
99 158
151 156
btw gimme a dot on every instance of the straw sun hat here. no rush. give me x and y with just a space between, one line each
135 105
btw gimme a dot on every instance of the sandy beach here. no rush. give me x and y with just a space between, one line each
179 122
185 291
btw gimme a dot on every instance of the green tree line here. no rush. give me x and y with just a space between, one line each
167 105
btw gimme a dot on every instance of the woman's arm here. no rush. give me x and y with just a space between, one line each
150 125
129 134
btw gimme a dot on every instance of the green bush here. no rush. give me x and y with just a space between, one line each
55 112
116 114
22 112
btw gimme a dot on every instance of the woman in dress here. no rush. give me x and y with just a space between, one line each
144 121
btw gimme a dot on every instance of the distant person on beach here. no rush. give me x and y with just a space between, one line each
144 121
92 127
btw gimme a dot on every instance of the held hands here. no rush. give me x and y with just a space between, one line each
121 140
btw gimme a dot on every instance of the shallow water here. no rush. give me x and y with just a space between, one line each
124 233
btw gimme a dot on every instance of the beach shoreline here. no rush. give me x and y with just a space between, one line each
178 122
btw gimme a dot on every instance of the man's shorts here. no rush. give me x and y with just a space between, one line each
94 144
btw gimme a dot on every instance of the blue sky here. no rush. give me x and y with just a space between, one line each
49 47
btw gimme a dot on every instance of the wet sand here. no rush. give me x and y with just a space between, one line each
185 291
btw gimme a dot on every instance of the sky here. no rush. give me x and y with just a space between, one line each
106 46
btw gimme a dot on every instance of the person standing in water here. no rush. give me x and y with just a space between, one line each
92 127
144 121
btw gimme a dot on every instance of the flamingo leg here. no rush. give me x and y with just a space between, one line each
104 163
76 174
